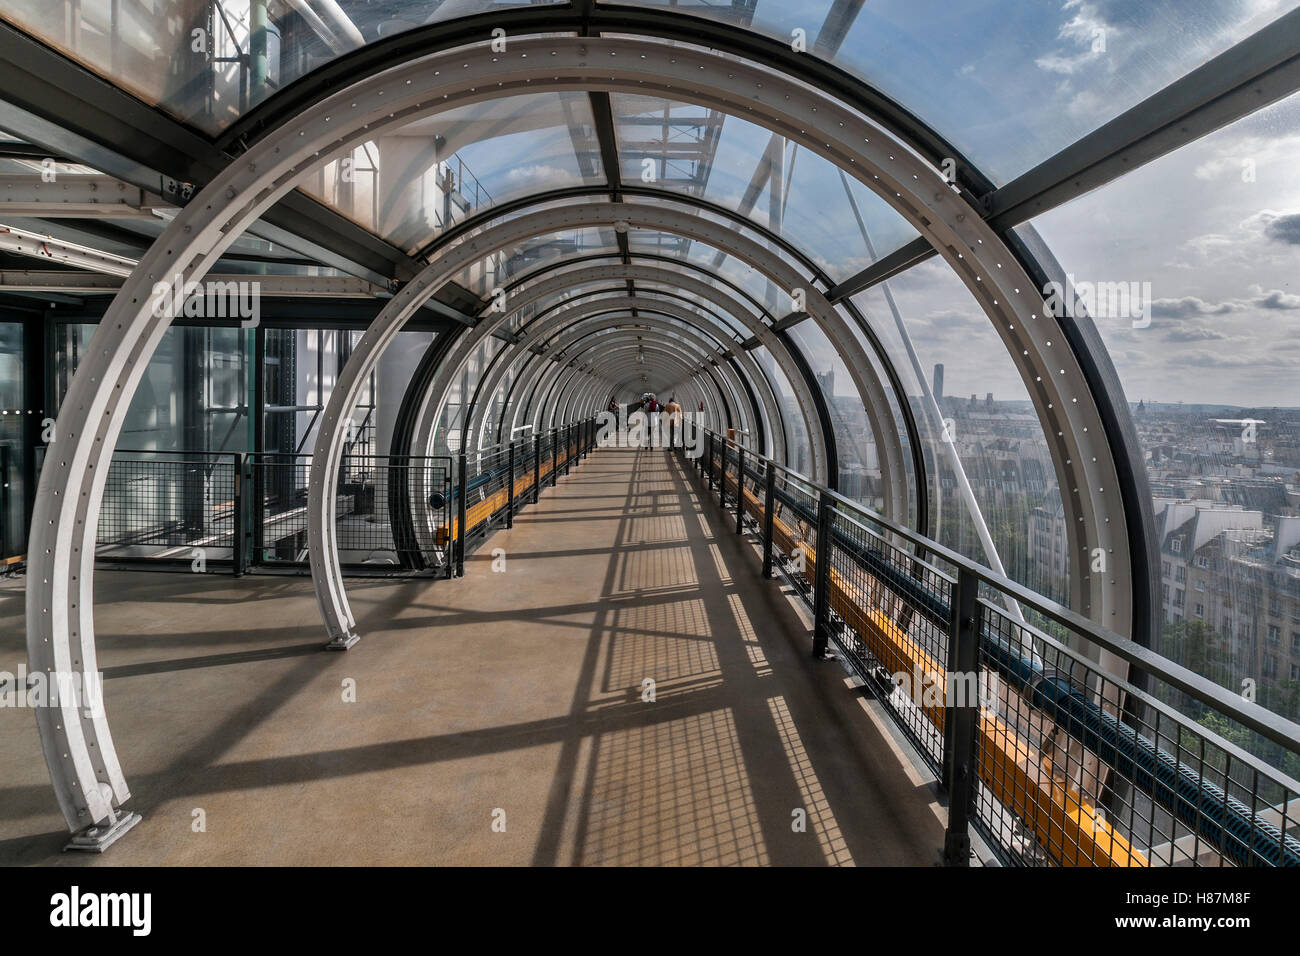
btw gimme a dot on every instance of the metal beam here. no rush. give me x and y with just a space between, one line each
886 267
1261 69
54 103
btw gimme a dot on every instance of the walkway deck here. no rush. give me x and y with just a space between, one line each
519 690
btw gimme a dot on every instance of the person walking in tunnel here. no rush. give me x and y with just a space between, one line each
673 411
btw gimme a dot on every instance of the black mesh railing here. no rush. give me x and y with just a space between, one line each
169 507
393 515
493 483
1050 757
387 512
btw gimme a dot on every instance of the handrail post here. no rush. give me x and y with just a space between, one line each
707 467
959 722
257 505
555 456
722 477
446 517
510 497
822 577
568 448
740 490
769 495
537 468
460 514
237 551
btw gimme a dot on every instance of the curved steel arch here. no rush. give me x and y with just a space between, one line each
869 387
79 749
589 20
558 340
731 396
685 363
804 388
435 399
619 273
578 346
530 334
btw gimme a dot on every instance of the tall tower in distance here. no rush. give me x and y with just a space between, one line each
938 382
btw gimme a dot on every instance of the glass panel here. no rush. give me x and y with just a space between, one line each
208 62
739 165
798 445
859 474
192 396
1209 357
984 406
1007 84
412 184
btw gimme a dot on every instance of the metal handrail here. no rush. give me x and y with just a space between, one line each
1247 713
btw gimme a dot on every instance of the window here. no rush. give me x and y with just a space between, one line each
1202 561
1177 546
1295 671
1180 598
1200 584
1180 573
1165 589
1274 634
1295 642
1270 665
1165 569
1200 610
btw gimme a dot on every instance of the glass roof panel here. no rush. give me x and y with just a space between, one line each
1008 84
411 185
200 61
726 160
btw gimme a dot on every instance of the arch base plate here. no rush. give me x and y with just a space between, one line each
343 642
98 837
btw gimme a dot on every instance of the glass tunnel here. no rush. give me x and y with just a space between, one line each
984 315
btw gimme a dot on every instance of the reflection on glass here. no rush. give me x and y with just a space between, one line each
859 476
208 62
414 183
1208 352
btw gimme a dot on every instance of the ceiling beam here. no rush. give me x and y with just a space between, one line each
1261 69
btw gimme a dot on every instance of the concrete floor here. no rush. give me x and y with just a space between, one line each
512 696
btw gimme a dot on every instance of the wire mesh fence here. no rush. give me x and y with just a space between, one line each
1052 759
163 506
387 511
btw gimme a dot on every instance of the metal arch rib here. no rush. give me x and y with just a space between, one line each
719 297
869 387
559 376
665 336
546 326
60 629
569 334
